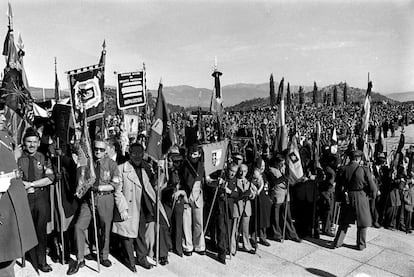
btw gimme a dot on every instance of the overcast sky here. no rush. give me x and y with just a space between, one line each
304 41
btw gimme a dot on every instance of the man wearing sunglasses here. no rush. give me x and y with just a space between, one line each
107 180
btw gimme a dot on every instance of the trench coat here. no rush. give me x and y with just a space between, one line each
128 198
357 182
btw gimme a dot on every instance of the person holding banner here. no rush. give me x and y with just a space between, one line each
193 175
135 202
37 176
107 181
278 183
227 195
264 205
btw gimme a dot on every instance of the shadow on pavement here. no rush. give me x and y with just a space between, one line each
319 272
320 242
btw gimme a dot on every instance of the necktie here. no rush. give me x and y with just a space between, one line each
31 171
97 173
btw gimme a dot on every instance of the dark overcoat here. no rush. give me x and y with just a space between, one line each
355 181
17 233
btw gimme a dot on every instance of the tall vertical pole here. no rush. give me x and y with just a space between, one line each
157 234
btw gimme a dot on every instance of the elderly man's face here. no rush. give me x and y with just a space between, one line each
99 149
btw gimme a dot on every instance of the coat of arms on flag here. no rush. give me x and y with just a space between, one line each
214 156
85 84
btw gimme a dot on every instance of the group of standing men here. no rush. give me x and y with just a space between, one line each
251 203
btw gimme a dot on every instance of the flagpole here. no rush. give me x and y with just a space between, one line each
157 243
85 127
60 202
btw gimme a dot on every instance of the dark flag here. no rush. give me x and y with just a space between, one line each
272 92
162 135
317 146
380 145
335 95
315 94
14 90
345 94
216 106
301 96
366 110
288 97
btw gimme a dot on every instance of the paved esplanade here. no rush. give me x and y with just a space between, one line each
388 253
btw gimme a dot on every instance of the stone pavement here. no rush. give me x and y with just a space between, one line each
388 253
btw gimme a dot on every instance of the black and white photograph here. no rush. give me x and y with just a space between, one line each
207 138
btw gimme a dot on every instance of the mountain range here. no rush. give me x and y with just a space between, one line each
402 96
234 94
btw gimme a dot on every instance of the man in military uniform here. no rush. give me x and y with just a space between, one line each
37 175
17 233
354 186
107 181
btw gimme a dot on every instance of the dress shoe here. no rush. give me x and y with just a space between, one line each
202 253
145 264
221 258
299 240
276 239
132 268
106 263
188 253
75 268
164 261
252 251
45 268
264 242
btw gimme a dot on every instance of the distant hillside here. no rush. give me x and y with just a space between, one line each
235 96
402 96
355 95
187 96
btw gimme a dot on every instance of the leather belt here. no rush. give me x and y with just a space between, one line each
33 190
103 192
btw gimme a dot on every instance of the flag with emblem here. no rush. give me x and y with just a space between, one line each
14 92
162 135
294 163
214 156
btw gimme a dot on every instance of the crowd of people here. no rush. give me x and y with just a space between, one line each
249 202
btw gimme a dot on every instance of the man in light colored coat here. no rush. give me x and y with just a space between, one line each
135 211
